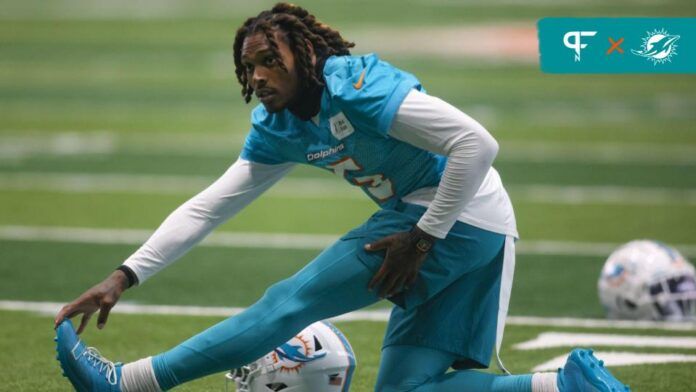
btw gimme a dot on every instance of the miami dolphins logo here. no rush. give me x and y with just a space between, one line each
616 276
658 46
291 356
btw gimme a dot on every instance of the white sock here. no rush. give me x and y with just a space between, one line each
544 382
139 376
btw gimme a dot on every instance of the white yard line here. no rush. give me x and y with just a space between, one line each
567 339
597 152
90 235
574 248
137 237
166 184
52 308
20 146
594 152
315 188
624 195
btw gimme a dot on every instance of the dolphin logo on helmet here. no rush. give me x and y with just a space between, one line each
294 353
318 359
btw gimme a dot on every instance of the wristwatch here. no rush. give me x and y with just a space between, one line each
422 240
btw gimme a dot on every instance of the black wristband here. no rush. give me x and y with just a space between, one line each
130 275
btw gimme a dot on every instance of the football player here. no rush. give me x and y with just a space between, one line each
441 246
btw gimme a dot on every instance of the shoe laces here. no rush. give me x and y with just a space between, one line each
102 364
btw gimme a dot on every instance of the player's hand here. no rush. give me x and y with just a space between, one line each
401 264
101 297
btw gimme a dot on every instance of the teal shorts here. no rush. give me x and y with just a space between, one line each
453 305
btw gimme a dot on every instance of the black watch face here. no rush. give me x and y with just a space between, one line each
423 245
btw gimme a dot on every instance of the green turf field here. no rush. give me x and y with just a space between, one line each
112 114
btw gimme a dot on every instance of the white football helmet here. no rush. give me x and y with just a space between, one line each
318 359
648 280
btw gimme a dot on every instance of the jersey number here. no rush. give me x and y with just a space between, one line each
378 186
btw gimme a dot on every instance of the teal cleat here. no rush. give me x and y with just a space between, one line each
583 372
86 369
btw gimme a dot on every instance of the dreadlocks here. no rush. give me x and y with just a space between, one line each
299 27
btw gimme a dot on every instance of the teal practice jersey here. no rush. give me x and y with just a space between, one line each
350 138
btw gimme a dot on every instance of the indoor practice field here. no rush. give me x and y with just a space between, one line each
114 113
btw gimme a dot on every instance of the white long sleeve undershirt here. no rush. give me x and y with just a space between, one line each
423 121
243 182
432 124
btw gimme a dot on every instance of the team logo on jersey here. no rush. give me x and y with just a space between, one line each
659 47
313 156
340 126
291 356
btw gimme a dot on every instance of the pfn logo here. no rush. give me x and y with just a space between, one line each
576 43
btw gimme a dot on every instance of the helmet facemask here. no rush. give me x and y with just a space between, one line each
674 298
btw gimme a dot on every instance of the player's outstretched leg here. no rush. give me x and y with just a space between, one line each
332 284
583 372
86 369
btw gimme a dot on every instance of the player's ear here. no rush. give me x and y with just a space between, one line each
310 49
